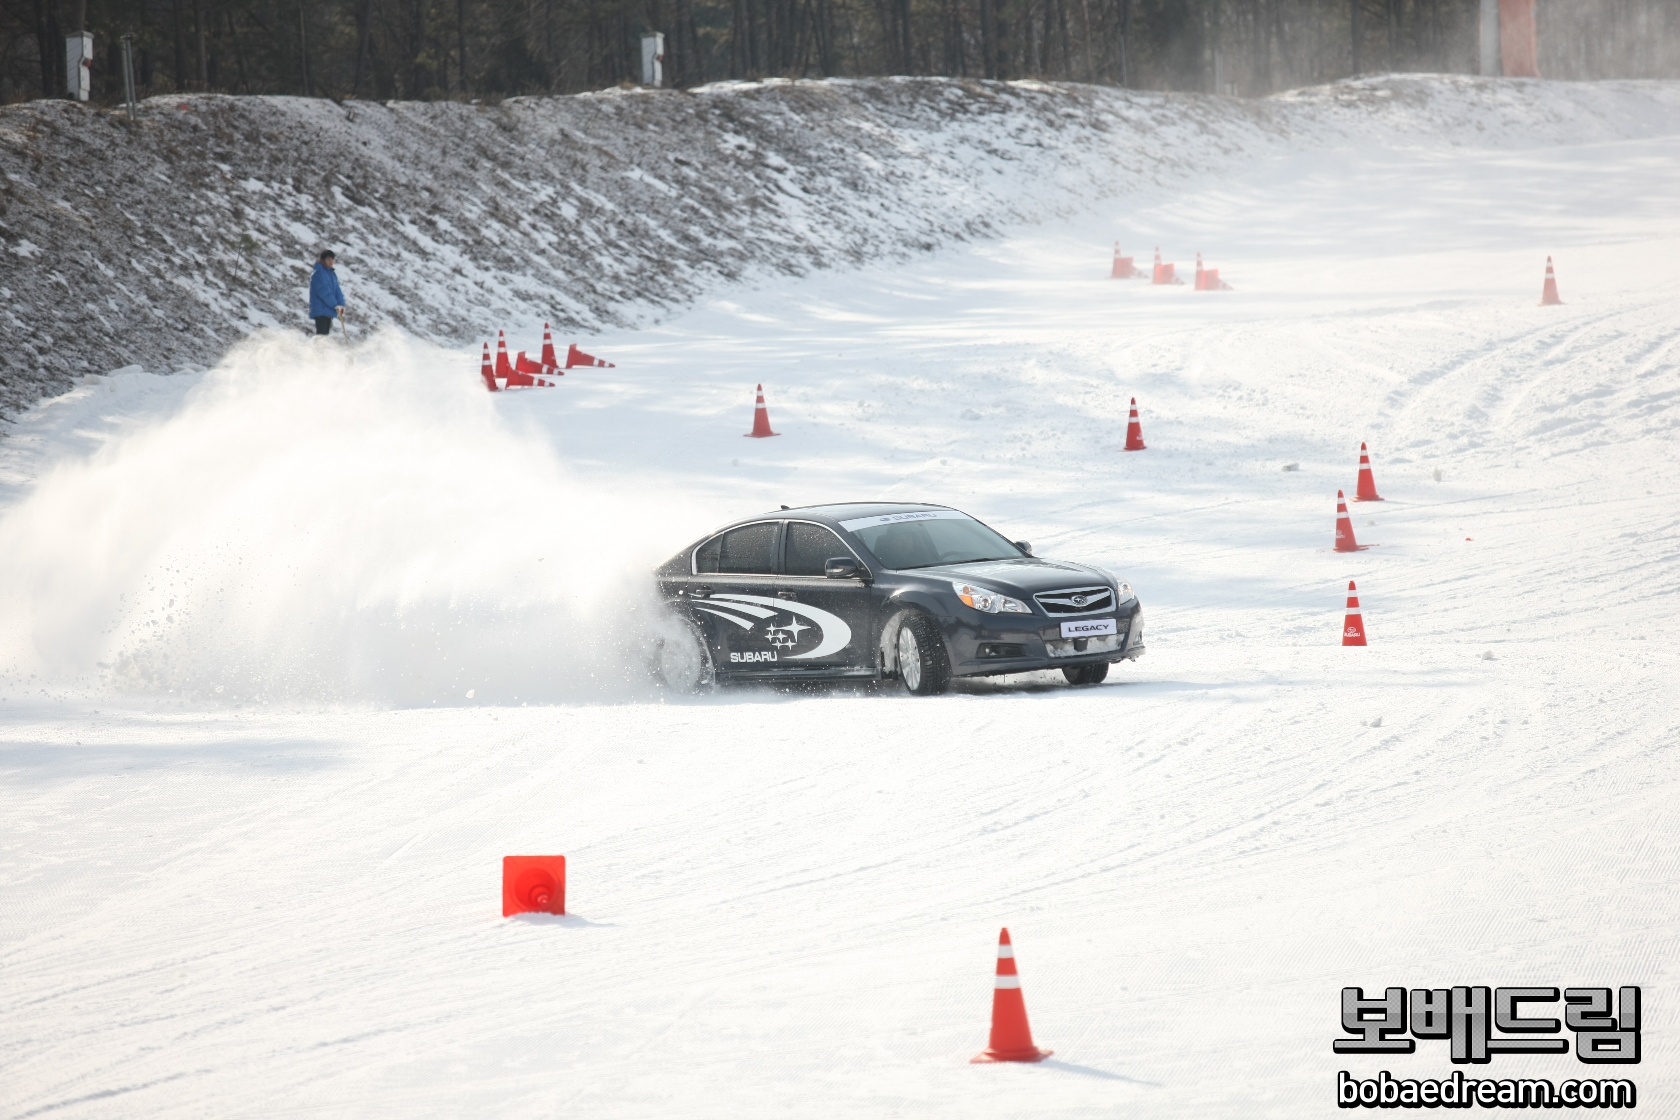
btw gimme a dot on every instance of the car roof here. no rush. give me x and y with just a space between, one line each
836 512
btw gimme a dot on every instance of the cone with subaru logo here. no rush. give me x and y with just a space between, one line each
1345 541
1353 625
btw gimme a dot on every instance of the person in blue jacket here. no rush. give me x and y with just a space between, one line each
326 298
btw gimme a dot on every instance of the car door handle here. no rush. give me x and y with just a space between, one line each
787 595
700 592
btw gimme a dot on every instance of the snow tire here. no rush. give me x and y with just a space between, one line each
682 663
923 664
1086 674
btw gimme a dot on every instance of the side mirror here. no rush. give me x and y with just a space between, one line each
841 567
1024 546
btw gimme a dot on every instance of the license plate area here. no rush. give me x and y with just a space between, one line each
1088 628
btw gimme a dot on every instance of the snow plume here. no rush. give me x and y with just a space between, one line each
323 523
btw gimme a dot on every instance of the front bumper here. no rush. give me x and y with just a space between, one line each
997 646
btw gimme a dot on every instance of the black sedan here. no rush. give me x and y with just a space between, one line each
875 591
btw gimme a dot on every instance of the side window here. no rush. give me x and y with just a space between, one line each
751 549
810 547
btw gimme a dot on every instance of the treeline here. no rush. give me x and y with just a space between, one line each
430 49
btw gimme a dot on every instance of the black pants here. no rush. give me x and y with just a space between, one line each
323 324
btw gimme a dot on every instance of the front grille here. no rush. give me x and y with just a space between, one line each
1076 600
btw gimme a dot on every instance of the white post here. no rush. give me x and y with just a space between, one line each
1490 49
653 59
78 60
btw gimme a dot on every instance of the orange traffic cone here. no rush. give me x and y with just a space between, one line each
533 883
761 419
488 372
1164 272
1344 528
1207 279
576 357
1134 431
550 363
1123 267
1367 488
1011 1039
504 368
1548 294
1353 626
529 373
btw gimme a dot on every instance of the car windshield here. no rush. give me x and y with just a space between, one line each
922 544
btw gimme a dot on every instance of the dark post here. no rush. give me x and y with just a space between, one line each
128 75
1358 33
303 50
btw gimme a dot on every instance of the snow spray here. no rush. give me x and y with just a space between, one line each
315 523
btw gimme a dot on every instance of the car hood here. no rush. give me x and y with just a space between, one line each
1028 575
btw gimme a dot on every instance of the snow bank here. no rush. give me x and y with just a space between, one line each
163 243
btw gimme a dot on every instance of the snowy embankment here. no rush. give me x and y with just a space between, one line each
161 243
221 896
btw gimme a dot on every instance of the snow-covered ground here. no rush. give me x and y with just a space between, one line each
250 821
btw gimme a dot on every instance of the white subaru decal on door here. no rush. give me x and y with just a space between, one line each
836 635
743 623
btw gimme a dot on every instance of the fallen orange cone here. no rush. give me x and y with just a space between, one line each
1548 293
761 419
1134 431
1353 626
1344 528
1011 1039
533 884
529 373
1366 491
576 357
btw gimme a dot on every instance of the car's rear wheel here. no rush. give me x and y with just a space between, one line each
682 662
922 663
1086 674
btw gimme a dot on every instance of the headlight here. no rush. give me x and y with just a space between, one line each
1123 592
988 601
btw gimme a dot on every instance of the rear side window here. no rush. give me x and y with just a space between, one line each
810 547
749 550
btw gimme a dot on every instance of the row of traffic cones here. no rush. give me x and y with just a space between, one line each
1207 279
1353 625
1165 272
522 372
1364 491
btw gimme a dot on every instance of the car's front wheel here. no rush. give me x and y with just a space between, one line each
1086 674
922 664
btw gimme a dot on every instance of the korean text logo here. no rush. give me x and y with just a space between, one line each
1479 1023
